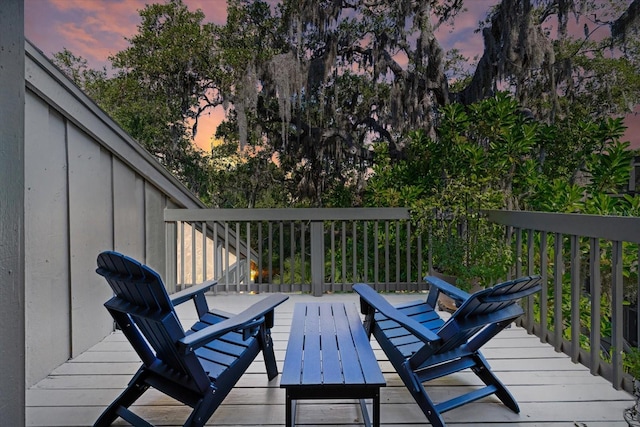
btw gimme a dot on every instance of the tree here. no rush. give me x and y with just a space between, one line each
163 82
161 85
245 179
554 72
316 84
486 156
346 74
92 82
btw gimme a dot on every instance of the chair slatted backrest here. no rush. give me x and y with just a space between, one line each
484 308
143 310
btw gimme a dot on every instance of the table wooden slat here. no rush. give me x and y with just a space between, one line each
312 364
368 362
351 363
328 346
331 363
292 371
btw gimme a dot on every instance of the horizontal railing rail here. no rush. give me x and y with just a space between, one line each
588 307
295 250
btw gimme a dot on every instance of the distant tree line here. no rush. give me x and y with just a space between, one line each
311 88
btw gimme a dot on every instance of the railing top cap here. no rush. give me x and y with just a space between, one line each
293 214
615 228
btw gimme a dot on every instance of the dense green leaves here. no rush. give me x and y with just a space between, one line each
490 155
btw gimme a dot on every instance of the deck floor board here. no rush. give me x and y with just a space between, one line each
551 390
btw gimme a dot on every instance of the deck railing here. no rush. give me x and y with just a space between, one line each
589 265
291 250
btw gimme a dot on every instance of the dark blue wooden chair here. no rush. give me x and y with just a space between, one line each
197 367
422 346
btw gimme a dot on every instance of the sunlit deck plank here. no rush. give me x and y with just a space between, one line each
551 390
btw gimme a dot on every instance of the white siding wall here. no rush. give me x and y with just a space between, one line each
88 187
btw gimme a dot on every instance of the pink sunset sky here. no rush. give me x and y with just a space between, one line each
96 29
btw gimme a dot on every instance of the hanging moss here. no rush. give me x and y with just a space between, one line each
628 23
288 76
247 99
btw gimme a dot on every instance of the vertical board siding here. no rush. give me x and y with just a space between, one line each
155 248
89 187
48 299
128 211
90 230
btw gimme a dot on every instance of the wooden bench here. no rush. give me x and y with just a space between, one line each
329 357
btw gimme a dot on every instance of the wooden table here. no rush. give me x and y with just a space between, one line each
329 357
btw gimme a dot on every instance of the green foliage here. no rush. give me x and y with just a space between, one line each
471 166
301 273
160 85
373 252
92 82
597 83
247 179
492 156
588 173
631 362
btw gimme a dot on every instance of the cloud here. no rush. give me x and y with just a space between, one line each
68 5
76 34
96 29
91 29
84 43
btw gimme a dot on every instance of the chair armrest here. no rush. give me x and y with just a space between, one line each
448 289
249 318
375 300
189 293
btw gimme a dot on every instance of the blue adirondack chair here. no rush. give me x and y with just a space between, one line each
422 346
197 367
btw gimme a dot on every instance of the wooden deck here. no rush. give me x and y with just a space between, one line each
551 390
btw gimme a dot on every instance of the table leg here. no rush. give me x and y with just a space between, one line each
376 409
365 413
290 416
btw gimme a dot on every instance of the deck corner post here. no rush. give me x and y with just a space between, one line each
317 258
12 213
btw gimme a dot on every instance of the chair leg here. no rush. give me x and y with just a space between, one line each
420 396
136 388
204 409
483 371
269 355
